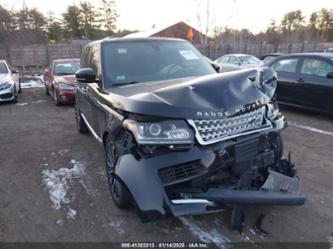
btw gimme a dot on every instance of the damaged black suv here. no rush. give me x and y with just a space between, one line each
179 138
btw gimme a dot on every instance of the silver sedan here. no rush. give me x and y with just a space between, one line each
233 62
9 83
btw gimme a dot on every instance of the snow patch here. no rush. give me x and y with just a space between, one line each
208 237
22 104
245 237
39 101
59 222
309 128
57 182
330 241
32 84
117 225
261 236
71 214
63 152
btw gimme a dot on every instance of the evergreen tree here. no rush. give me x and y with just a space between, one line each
72 21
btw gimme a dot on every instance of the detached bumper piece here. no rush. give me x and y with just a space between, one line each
249 197
277 190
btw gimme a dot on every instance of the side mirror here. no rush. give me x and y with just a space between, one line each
329 75
85 75
14 71
216 67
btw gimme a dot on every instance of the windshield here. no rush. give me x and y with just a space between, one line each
133 61
66 68
249 60
3 68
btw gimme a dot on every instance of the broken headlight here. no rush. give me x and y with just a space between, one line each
163 132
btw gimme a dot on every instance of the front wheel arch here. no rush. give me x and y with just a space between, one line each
125 200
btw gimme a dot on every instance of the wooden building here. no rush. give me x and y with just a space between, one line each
179 30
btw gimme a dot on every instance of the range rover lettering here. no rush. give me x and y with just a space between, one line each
179 138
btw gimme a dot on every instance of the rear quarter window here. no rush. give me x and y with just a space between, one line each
316 67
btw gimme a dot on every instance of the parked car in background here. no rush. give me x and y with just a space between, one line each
216 66
10 85
179 138
232 62
59 80
305 80
269 57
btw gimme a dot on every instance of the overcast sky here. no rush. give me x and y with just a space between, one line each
143 14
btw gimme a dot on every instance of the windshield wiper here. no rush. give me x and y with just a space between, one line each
60 74
126 83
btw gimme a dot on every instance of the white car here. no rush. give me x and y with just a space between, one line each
10 85
233 62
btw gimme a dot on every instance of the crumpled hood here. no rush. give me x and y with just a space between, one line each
67 79
200 97
5 77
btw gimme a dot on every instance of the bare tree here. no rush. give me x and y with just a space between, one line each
206 19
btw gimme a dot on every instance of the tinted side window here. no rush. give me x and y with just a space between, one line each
316 67
286 65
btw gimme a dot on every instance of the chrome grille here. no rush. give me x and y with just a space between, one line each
214 130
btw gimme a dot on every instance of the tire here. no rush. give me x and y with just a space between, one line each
15 96
20 89
46 91
278 145
80 124
55 99
119 193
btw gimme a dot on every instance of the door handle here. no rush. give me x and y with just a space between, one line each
300 80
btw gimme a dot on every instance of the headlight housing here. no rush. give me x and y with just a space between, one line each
163 132
5 86
64 86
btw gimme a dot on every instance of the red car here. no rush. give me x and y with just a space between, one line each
59 80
